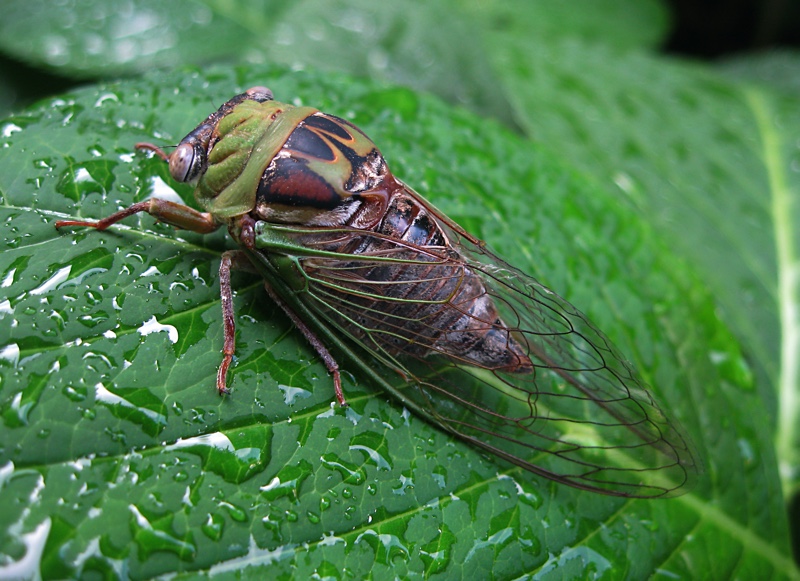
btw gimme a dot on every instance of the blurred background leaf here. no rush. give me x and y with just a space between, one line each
684 147
779 69
403 42
702 156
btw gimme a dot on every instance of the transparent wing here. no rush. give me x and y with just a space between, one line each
577 414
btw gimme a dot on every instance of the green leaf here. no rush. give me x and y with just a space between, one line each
709 162
403 41
779 69
118 458
622 24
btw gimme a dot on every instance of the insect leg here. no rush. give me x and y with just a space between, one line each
177 215
322 351
239 260
229 257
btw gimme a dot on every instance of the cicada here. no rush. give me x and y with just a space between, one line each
362 263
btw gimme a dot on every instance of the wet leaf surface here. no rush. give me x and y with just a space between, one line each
119 459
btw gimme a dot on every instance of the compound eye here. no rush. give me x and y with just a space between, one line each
259 94
183 163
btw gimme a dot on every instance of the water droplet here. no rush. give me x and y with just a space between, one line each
291 394
406 483
495 542
585 562
74 393
387 547
274 526
151 538
374 446
437 554
23 402
151 421
10 353
9 278
650 525
93 297
236 458
153 326
44 163
351 473
530 498
352 415
118 436
93 319
236 513
96 150
60 276
213 527
28 567
733 368
746 451
104 97
9 129
90 177
288 481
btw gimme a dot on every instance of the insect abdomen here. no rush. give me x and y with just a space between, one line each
426 300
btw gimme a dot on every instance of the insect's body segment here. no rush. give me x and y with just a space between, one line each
347 250
317 170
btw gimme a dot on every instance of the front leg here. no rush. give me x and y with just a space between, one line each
178 215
